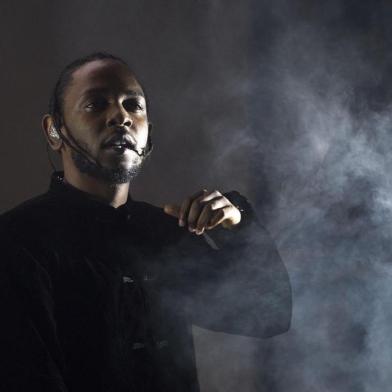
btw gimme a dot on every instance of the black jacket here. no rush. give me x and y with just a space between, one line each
94 298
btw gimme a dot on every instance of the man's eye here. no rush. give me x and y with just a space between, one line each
132 105
96 105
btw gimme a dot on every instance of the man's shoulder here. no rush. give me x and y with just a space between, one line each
29 215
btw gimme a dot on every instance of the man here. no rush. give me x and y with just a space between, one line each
98 291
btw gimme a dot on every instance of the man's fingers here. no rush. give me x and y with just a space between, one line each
185 207
220 216
203 211
198 205
194 212
211 196
208 212
172 209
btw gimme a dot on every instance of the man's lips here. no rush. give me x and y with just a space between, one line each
119 145
120 142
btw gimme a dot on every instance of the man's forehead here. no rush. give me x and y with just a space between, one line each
104 75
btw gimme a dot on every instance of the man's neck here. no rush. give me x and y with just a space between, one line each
113 194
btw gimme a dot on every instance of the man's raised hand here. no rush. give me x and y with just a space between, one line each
205 210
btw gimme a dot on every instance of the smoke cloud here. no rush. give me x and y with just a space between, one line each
317 138
324 149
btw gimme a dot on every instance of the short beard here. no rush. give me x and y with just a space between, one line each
111 176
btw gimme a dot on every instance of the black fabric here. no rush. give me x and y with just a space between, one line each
94 298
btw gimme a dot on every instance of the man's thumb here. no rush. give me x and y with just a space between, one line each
172 210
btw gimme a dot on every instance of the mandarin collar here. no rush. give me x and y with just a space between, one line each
87 203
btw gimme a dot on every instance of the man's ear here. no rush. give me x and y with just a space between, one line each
52 135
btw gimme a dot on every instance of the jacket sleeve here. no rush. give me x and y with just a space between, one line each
30 356
237 282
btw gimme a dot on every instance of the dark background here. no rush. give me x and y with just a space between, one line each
287 102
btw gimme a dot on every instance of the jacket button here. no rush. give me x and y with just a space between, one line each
138 345
127 279
161 344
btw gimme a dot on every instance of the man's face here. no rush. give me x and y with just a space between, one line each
105 112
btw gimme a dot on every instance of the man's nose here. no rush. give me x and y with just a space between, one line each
119 116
